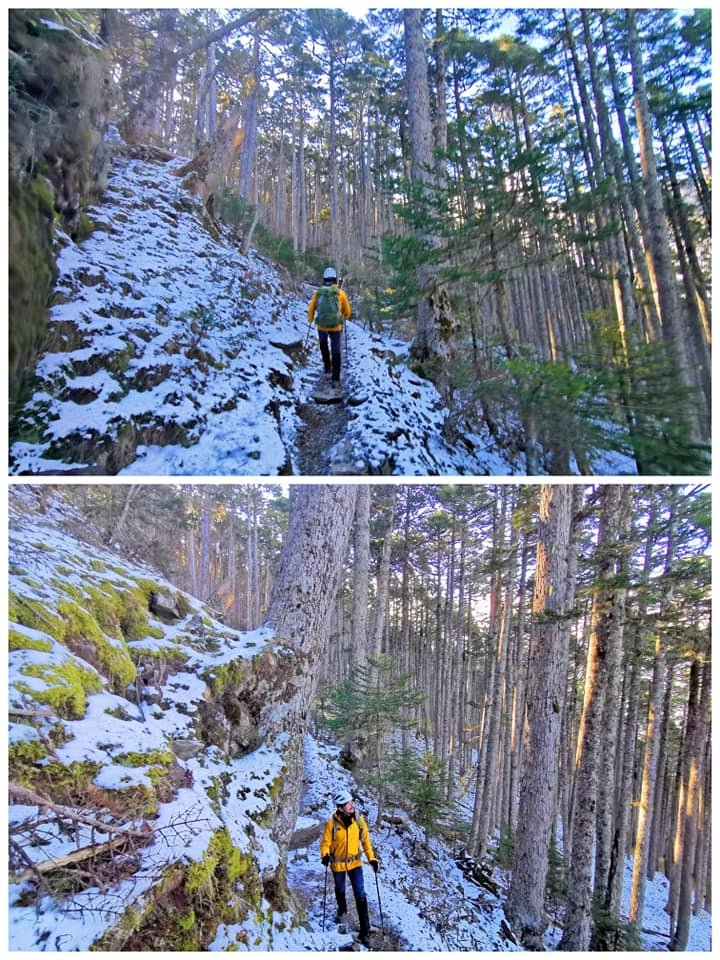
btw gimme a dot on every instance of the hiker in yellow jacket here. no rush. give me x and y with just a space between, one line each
344 834
328 309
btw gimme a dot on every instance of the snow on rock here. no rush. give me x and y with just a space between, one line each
115 713
100 693
172 353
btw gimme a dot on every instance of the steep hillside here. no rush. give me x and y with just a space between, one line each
143 797
137 799
172 353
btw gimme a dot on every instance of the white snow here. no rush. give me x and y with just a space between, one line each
427 903
176 340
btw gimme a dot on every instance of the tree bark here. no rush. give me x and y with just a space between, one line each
658 245
436 325
650 760
361 566
284 679
605 614
686 839
547 671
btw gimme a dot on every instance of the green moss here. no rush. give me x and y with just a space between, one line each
44 193
82 631
134 615
43 546
218 790
187 921
23 758
31 276
148 587
20 641
69 589
122 612
66 689
65 782
85 227
187 904
171 657
34 614
221 676
33 584
153 758
221 857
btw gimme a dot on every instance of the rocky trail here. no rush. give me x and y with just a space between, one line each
173 353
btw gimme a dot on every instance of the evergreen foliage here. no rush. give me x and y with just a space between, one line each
368 708
419 785
371 702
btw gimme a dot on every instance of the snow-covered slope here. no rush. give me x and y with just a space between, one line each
174 354
117 717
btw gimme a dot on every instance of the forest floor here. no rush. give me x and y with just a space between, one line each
173 353
322 447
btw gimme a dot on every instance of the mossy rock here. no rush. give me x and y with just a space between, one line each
34 614
66 687
31 277
187 905
21 641
65 783
56 159
23 759
84 636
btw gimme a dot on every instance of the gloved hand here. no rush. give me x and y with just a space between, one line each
326 860
375 865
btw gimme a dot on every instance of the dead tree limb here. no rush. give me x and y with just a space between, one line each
25 795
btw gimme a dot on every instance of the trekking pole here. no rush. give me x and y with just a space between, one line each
382 921
324 897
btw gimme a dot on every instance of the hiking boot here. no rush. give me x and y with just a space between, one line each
340 917
364 918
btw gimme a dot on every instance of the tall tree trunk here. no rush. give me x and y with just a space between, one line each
485 800
576 934
433 345
606 863
249 135
650 761
683 881
361 566
383 579
303 596
658 245
547 671
205 535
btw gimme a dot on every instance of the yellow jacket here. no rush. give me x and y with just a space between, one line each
343 843
343 306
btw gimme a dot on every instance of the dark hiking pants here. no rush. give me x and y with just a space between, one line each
331 351
358 888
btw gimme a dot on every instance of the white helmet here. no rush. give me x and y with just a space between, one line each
343 797
330 273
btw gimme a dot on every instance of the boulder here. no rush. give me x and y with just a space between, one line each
165 605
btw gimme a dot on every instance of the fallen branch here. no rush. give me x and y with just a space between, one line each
18 712
25 795
77 856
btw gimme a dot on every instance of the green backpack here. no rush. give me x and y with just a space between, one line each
327 309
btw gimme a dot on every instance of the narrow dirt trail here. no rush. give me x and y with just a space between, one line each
320 450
